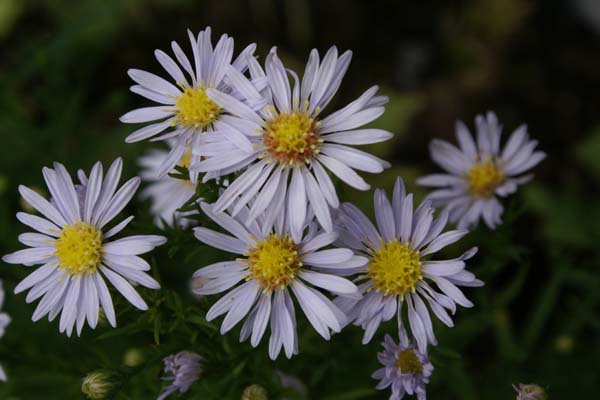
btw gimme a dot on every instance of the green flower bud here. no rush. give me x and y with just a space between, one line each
99 385
255 392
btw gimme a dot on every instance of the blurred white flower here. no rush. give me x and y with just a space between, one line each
480 171
167 194
4 321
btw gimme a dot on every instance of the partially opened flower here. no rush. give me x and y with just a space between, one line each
167 194
287 146
400 274
406 369
182 369
4 321
185 110
77 250
480 171
272 266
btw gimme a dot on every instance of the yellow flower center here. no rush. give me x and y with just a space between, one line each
79 248
408 362
483 179
274 262
291 138
395 268
195 109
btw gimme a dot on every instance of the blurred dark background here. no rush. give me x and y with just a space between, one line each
63 85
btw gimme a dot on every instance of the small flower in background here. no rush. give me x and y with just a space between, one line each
398 271
182 369
186 108
480 171
530 391
255 392
99 385
167 194
405 368
286 146
273 265
4 321
73 246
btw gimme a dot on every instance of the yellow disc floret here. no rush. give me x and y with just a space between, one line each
274 262
395 268
79 248
195 109
291 138
483 179
408 362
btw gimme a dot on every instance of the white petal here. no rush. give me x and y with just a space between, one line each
105 299
42 205
119 200
124 288
358 137
153 82
220 241
344 172
329 282
384 216
146 114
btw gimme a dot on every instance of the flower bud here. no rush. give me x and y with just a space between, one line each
98 385
255 392
530 391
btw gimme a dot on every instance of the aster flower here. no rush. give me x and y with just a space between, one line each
480 171
287 147
167 194
4 321
405 368
184 368
399 270
273 266
77 251
185 107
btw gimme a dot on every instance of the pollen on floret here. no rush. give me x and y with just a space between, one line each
291 138
274 262
195 109
395 268
79 248
483 179
408 362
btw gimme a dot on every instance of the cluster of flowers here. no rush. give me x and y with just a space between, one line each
297 244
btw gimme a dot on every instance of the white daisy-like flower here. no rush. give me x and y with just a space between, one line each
167 194
4 321
184 368
405 368
399 271
77 251
480 171
287 146
271 267
185 107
